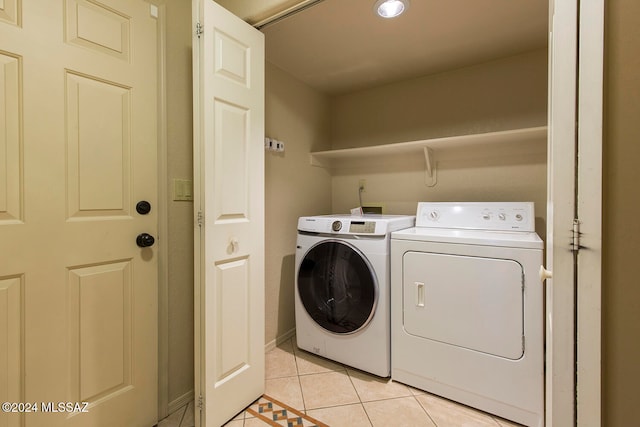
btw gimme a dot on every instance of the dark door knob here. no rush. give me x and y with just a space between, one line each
145 240
143 207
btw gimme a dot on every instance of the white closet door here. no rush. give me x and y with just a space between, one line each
229 176
561 210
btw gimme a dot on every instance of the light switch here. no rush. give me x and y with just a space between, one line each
182 190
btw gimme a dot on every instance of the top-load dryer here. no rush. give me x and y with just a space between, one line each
467 307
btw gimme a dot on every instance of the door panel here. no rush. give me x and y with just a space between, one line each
79 152
10 139
98 172
232 61
233 315
11 348
230 158
100 329
229 193
10 11
95 26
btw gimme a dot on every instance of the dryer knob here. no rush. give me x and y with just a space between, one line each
336 226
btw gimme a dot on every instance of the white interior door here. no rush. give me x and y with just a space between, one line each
78 125
229 176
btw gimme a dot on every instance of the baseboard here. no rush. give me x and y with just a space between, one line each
273 343
181 401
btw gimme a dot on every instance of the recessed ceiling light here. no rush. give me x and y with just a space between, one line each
390 8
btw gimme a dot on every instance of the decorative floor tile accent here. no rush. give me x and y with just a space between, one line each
276 413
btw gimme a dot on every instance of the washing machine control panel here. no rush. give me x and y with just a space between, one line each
353 227
501 216
362 227
368 225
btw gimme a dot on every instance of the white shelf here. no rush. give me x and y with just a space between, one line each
527 140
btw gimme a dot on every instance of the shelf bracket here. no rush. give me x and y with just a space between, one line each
428 158
430 167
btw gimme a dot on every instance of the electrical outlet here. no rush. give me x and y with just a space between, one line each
362 185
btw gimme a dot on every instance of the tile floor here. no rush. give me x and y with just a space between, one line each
183 417
341 396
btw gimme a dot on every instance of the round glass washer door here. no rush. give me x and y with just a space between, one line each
337 286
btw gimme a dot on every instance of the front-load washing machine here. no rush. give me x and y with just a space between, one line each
342 305
467 307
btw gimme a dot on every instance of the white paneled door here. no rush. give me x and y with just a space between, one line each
229 176
78 131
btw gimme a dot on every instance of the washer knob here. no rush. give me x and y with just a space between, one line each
336 226
486 217
519 217
502 216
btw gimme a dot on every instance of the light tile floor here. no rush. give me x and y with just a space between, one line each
183 417
341 396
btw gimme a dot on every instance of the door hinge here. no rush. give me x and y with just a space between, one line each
199 29
199 403
200 219
575 236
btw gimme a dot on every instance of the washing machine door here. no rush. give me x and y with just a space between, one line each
337 286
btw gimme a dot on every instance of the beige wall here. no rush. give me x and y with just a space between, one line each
505 94
298 116
179 241
621 204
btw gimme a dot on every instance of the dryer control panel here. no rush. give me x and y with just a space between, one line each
502 216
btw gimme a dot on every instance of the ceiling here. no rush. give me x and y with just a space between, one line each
338 46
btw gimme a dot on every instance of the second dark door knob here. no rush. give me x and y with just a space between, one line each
144 240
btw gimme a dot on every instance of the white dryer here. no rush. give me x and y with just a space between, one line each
467 307
342 306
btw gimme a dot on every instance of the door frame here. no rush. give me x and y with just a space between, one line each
163 218
576 50
589 207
